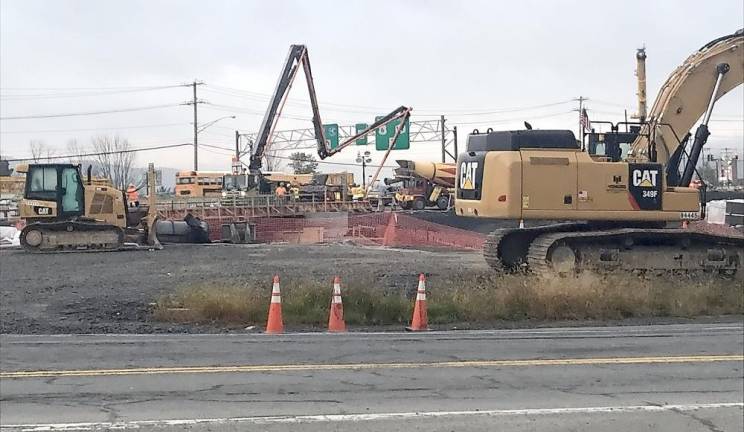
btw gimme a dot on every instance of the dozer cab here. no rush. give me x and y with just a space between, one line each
64 212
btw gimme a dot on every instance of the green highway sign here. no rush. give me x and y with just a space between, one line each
331 135
360 127
384 135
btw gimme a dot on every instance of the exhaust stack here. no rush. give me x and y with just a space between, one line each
641 77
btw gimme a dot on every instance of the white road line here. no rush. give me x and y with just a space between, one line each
338 418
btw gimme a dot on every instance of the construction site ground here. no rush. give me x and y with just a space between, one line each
112 292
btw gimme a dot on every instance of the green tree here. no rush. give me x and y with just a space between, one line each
303 163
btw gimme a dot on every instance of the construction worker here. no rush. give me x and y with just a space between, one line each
357 193
280 192
132 196
295 191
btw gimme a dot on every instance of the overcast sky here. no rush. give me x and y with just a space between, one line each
439 57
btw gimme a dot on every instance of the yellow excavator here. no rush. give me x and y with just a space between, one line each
624 193
65 213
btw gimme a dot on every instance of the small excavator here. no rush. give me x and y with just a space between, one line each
625 196
65 213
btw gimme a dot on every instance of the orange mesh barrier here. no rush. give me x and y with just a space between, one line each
384 229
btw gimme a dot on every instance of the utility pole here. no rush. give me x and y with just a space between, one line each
454 141
196 133
581 121
444 138
237 145
194 102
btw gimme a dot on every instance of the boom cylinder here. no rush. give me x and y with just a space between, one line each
702 133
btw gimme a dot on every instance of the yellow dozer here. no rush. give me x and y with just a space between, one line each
65 213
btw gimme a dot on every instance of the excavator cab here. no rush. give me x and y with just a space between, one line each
613 145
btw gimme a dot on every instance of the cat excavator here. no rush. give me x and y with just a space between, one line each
624 194
66 213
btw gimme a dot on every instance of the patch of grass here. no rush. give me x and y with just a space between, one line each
457 298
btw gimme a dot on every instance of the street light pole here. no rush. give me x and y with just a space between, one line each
364 159
198 130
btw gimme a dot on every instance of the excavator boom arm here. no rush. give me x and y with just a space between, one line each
688 93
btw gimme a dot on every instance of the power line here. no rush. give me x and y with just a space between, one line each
601 102
456 113
526 117
100 153
71 94
41 116
230 91
92 129
232 151
92 88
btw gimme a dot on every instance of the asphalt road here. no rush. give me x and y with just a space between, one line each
675 377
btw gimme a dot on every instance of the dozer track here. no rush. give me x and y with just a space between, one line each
558 249
71 236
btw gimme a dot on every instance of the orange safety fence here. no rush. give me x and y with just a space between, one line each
384 229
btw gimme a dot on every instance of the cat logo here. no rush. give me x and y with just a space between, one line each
467 175
645 177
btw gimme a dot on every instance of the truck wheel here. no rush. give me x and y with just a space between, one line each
405 205
419 204
442 203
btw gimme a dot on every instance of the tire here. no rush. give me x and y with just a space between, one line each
442 202
419 204
405 205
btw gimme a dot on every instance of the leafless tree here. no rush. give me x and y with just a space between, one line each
40 152
272 161
75 150
114 159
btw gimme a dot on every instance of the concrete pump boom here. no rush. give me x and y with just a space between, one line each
298 56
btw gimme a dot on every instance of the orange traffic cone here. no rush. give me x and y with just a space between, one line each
420 321
274 324
336 318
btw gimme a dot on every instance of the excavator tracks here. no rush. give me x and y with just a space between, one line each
656 250
637 250
505 250
71 236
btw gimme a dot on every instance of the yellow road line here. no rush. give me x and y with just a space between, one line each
363 366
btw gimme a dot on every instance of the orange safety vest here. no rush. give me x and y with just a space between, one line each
132 194
280 191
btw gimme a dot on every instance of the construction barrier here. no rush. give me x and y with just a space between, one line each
336 323
420 320
382 229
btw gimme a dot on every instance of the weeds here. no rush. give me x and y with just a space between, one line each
458 298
